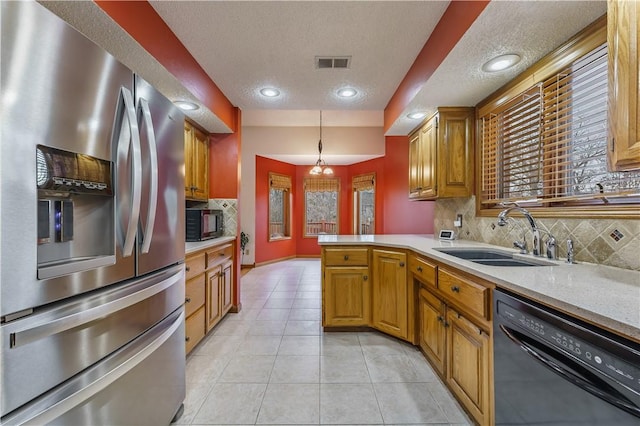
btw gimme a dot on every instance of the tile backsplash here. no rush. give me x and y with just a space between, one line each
229 209
613 242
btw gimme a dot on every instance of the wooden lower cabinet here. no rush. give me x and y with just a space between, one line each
208 291
347 296
468 365
214 307
390 293
433 336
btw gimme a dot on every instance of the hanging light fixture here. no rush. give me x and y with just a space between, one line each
321 167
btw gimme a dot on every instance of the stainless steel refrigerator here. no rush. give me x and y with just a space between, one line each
92 229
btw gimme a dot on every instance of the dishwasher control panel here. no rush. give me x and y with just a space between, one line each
586 352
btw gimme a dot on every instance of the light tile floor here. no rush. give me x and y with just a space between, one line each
272 364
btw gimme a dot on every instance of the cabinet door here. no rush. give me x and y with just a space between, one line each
428 158
468 366
200 166
432 329
415 166
194 329
390 293
346 297
623 35
455 152
188 160
226 287
213 305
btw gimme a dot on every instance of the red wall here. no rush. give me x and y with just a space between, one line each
402 216
266 250
224 165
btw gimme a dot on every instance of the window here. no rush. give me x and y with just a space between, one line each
546 147
321 206
279 206
364 204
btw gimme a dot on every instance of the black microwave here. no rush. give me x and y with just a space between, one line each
203 224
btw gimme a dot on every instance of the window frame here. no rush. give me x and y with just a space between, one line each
587 40
281 185
337 182
361 183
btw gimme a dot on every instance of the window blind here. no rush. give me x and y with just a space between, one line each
321 184
281 182
549 143
363 182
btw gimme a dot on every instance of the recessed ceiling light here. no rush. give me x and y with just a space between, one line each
501 62
186 105
270 92
416 115
347 92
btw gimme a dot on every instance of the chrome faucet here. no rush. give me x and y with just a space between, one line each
537 241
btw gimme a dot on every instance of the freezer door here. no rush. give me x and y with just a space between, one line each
161 231
62 91
41 351
141 384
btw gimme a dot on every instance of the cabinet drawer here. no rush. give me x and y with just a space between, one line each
195 265
194 295
464 292
346 257
194 329
424 271
219 254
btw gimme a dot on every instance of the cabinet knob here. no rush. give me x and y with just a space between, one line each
222 254
419 268
401 264
455 289
446 324
186 339
346 257
187 300
366 277
440 318
187 269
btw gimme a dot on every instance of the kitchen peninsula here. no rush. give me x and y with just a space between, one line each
407 287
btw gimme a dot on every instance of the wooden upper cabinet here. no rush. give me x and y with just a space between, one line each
623 36
196 162
441 155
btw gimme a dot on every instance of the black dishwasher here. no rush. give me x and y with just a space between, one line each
551 369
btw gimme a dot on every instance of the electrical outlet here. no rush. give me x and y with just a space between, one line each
458 222
246 251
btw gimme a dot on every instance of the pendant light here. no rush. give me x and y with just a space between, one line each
321 167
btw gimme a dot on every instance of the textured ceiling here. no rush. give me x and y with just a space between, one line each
246 45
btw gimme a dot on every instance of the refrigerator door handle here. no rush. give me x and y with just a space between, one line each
147 234
131 142
48 328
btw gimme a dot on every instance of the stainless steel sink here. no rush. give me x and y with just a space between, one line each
492 257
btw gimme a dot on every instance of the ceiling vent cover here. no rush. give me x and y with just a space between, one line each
333 62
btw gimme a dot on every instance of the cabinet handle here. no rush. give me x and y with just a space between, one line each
366 277
401 264
455 289
446 324
222 254
187 300
346 257
186 339
440 318
187 269
419 268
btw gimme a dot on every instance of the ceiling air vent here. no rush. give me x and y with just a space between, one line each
333 62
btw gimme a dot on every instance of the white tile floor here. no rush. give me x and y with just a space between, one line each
272 364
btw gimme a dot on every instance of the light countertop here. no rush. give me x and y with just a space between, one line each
602 295
201 245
